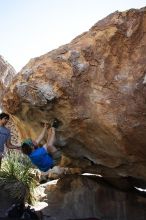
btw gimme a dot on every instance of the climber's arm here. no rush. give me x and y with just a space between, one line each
42 134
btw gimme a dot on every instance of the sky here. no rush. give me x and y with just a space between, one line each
31 28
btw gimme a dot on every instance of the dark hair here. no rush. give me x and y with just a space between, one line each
26 149
4 115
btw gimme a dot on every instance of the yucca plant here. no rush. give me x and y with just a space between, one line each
16 177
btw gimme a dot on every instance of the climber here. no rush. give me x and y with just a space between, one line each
46 156
5 136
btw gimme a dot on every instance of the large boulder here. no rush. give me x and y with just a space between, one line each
96 87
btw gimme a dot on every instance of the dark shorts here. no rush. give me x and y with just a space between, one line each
57 157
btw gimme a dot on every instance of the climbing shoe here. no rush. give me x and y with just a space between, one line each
55 123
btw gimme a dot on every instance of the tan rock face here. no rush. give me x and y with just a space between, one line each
80 197
96 86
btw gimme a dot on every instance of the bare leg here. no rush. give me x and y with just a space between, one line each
50 141
51 136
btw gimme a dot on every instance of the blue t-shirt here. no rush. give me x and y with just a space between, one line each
42 159
4 136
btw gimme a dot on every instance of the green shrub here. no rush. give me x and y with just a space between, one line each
16 177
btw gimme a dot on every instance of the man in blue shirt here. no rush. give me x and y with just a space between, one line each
5 136
44 157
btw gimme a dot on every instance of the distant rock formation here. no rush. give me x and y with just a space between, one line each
96 86
7 72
